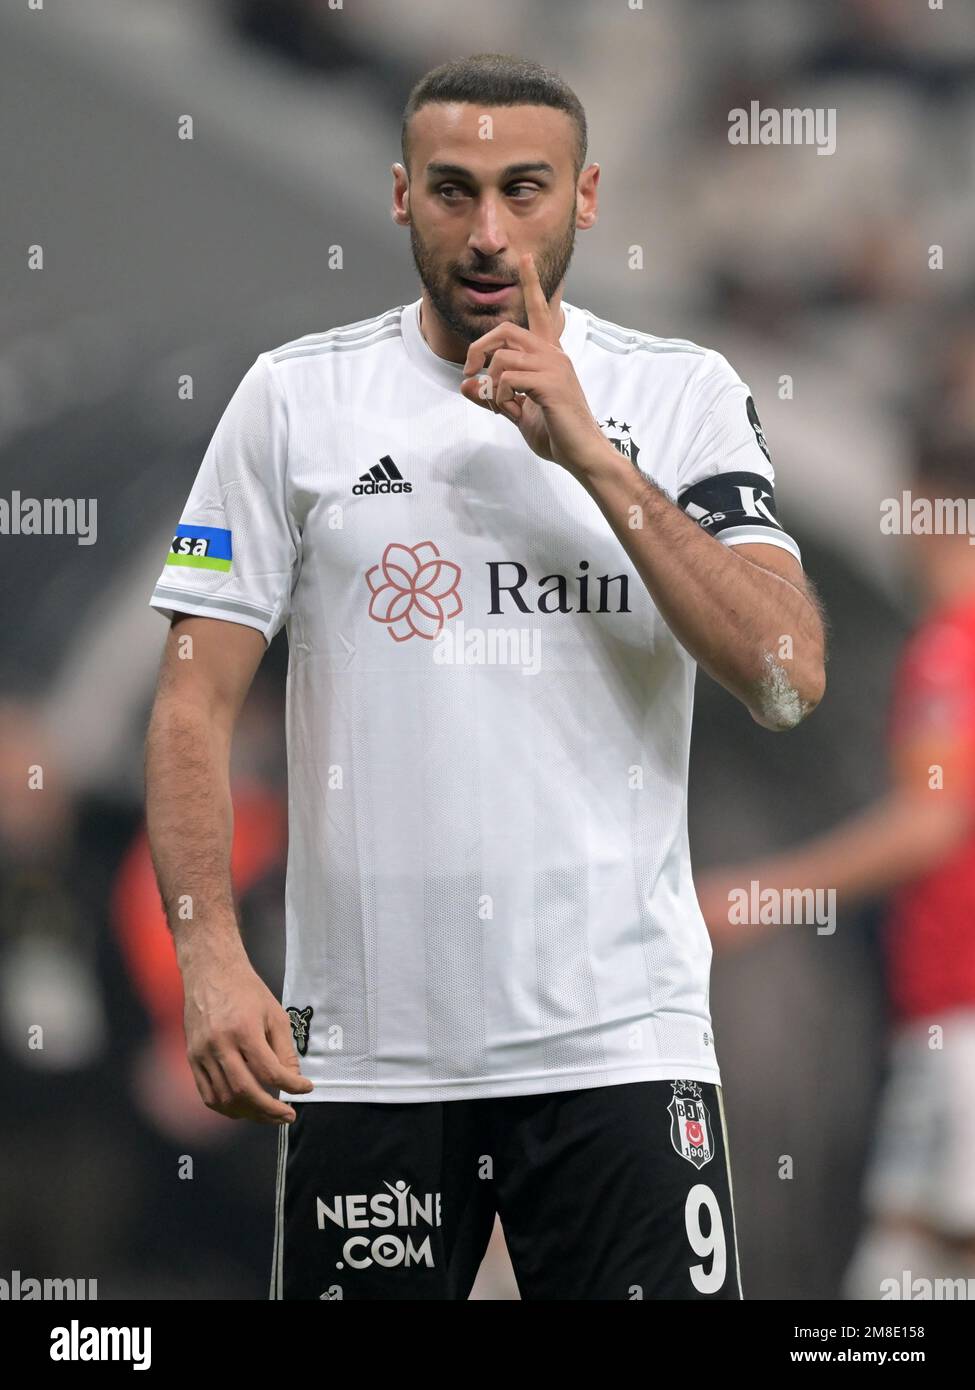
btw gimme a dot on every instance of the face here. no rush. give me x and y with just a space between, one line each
474 205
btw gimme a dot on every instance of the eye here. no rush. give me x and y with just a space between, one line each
446 189
529 187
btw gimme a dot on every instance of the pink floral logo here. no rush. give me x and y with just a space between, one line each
414 591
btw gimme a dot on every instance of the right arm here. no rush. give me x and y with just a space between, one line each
238 1036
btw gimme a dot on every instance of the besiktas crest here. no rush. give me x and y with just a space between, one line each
690 1123
618 434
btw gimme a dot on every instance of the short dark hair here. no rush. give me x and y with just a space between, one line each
496 79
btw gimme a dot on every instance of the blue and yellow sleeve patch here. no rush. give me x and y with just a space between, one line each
201 548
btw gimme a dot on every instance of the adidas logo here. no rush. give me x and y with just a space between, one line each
384 476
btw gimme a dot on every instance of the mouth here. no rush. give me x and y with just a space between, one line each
487 291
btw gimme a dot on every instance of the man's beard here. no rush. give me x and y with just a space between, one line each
471 321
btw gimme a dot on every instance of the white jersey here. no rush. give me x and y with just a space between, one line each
489 888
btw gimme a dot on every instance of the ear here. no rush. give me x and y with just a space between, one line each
587 197
400 210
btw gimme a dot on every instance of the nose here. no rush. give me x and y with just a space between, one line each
487 234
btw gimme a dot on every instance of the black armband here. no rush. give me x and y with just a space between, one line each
734 505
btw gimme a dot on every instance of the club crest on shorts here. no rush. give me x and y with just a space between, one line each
300 1021
690 1123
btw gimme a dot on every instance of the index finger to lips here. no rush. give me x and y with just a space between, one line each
536 305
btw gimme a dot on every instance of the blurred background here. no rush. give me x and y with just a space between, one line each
165 257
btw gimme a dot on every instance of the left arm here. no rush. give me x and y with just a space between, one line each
747 618
750 620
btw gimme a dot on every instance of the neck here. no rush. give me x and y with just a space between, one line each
449 345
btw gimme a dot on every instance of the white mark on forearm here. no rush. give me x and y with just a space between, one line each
781 704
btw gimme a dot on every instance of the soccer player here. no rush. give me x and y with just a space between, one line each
502 533
917 846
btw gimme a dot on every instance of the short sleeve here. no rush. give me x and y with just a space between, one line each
726 479
234 553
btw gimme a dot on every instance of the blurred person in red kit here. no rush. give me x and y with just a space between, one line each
917 846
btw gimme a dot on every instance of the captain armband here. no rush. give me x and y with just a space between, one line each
736 507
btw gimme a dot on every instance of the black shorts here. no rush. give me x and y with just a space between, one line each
613 1192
